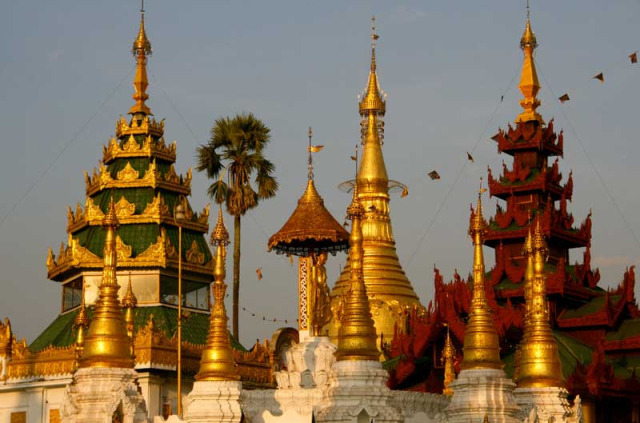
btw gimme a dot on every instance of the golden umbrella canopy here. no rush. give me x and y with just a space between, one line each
310 229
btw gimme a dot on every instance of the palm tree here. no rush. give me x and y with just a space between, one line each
236 145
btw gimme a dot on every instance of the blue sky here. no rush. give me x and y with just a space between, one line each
66 77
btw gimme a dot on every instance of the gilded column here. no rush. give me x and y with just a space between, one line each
481 344
107 342
217 363
448 354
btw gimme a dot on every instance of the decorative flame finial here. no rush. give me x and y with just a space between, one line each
537 360
107 343
529 84
141 49
372 101
217 362
481 344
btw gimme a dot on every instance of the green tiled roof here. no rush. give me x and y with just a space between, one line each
140 236
590 307
195 327
628 328
141 197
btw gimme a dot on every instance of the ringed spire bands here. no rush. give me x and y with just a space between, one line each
389 291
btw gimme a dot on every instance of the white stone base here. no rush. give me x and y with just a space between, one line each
214 402
97 393
308 364
280 405
547 405
480 392
358 393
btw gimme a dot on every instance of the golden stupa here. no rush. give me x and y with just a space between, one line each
357 334
537 360
217 361
481 348
107 343
390 292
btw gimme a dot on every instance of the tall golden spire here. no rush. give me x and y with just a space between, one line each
537 361
217 361
141 49
384 277
481 344
529 85
448 354
107 343
357 334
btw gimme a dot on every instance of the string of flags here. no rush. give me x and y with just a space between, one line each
633 58
268 319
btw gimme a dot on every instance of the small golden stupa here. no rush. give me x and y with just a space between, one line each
107 343
537 360
217 361
481 348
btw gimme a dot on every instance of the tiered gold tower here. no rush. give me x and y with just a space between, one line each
217 361
537 360
481 343
357 334
107 343
448 354
390 292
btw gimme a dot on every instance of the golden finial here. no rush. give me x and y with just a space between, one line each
129 303
537 362
529 84
217 361
448 354
481 348
107 343
372 101
357 333
220 235
141 49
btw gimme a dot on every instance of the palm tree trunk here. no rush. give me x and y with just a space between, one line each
236 275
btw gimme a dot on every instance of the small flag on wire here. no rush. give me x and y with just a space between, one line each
315 148
469 157
434 175
354 158
634 57
405 192
375 36
564 97
259 273
600 77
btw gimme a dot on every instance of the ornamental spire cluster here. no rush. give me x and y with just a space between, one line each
217 363
529 84
357 333
107 343
481 343
537 359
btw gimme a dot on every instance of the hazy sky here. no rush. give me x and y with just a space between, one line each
65 77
